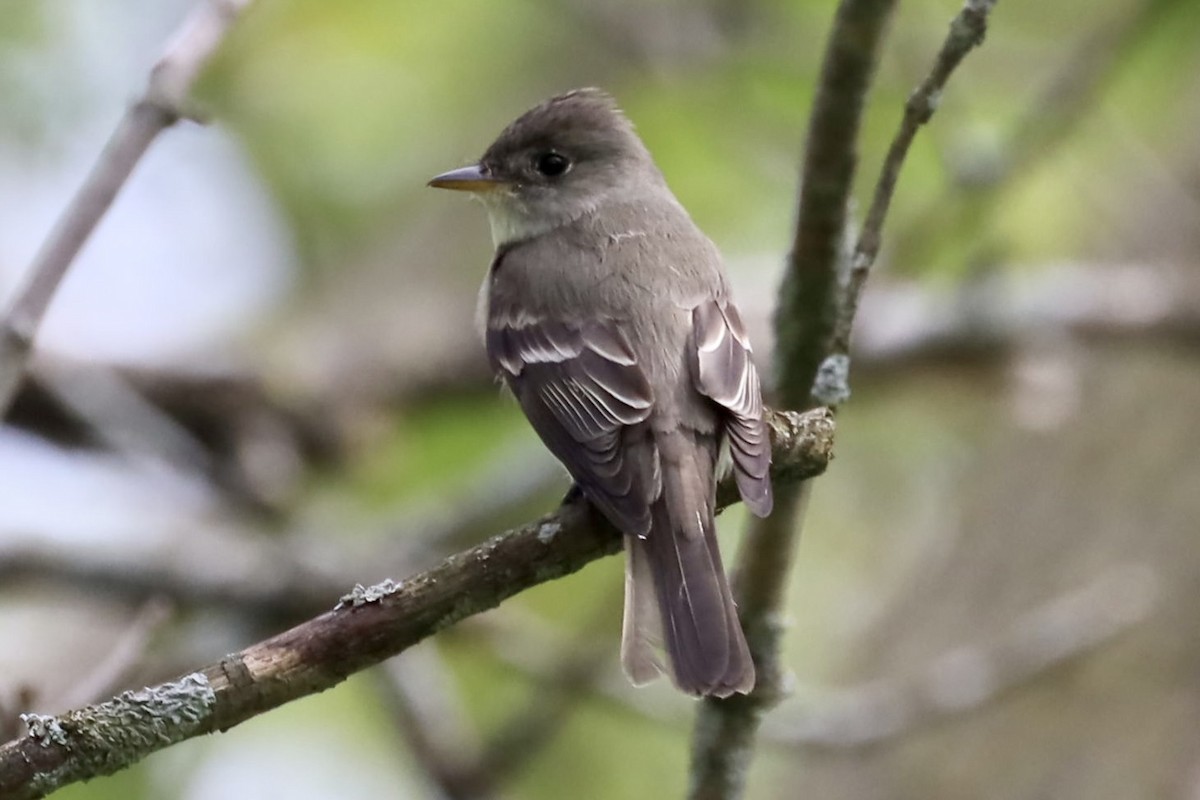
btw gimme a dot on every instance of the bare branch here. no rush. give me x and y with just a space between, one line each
809 294
813 307
368 626
1070 93
725 730
966 32
162 104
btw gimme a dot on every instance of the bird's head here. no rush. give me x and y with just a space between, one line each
555 163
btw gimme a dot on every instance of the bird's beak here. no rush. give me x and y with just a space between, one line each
467 179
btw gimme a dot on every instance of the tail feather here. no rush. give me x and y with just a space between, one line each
704 641
641 629
739 671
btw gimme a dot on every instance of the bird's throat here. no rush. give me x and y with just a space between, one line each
511 224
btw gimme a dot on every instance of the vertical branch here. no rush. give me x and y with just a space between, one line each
808 296
162 104
813 322
804 319
725 733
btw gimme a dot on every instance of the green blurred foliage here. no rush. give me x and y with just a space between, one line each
347 109
432 447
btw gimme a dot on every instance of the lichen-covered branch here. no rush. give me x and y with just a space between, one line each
160 106
368 626
817 300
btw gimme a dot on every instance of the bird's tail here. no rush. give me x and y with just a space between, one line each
676 591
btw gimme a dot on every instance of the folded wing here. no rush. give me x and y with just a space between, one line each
583 391
723 370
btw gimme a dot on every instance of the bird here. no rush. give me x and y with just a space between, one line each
607 313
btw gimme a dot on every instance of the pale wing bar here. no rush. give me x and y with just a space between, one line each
582 389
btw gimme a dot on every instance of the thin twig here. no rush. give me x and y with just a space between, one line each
1066 100
162 104
809 294
369 625
966 33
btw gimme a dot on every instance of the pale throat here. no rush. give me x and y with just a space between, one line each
512 221
508 227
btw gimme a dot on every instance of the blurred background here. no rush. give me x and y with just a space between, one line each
261 384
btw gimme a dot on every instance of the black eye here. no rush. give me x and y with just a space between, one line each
552 164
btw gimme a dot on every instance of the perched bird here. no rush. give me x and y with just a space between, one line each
607 313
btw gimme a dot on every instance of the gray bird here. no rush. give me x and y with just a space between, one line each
607 313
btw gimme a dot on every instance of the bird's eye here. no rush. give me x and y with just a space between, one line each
552 164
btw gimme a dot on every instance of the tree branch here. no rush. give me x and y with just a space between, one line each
966 33
162 104
368 626
809 294
725 731
1070 93
811 362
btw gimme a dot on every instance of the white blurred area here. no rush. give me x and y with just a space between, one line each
191 252
191 256
188 261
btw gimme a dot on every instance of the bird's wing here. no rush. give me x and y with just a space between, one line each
723 370
582 388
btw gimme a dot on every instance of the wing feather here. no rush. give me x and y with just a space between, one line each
724 371
585 394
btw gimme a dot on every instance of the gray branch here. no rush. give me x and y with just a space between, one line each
162 104
966 33
817 300
723 741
